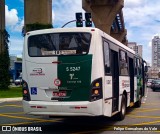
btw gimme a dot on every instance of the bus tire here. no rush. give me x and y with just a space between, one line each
122 113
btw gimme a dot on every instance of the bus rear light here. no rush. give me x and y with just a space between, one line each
33 106
96 90
97 84
25 92
41 107
26 95
79 107
38 107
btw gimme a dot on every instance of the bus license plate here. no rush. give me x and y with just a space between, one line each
59 94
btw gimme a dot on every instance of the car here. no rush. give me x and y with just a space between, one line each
18 81
155 85
149 82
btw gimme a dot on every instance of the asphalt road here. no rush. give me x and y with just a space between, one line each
145 119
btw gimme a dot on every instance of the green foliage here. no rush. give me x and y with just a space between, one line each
19 59
35 26
4 63
11 92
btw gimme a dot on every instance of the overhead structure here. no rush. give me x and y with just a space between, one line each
37 12
118 30
2 24
107 15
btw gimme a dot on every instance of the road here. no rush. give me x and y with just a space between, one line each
147 118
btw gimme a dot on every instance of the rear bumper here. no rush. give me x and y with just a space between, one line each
83 108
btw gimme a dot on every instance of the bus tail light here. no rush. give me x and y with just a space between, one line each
25 89
96 89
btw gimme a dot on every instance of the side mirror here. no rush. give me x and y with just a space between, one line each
146 69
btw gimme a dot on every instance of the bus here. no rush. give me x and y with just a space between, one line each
80 72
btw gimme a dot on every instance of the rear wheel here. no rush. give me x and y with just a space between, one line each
122 113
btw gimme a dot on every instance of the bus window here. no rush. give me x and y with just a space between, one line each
106 58
53 44
123 63
139 67
135 66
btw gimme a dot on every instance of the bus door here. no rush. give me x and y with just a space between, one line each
131 72
115 79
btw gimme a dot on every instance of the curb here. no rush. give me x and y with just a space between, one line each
10 99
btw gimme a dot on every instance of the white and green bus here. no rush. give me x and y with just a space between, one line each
79 72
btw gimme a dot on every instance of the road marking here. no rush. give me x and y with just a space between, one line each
13 113
26 118
10 106
143 116
147 110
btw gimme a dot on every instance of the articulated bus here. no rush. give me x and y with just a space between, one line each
80 72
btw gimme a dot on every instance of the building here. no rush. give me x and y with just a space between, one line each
156 51
135 47
15 67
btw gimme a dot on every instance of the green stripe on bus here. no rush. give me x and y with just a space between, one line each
74 72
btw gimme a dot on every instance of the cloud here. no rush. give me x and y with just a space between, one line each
15 45
133 3
18 27
11 16
142 22
64 11
13 22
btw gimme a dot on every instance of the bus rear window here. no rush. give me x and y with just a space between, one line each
53 44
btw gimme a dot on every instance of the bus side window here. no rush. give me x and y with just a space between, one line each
106 58
140 67
123 63
136 66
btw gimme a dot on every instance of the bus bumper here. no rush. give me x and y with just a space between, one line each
83 108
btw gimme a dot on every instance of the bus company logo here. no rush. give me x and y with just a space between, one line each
125 83
37 72
57 82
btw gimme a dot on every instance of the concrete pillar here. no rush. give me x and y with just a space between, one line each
38 11
2 24
103 12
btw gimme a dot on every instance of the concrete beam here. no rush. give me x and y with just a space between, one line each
125 41
120 36
103 12
38 11
2 24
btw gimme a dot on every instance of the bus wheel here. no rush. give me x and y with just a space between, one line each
122 113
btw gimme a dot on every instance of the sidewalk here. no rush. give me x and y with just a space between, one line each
10 99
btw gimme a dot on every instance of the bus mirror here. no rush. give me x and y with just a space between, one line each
146 69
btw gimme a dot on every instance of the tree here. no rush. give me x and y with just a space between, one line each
4 62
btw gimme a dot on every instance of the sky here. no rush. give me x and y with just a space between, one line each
141 17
